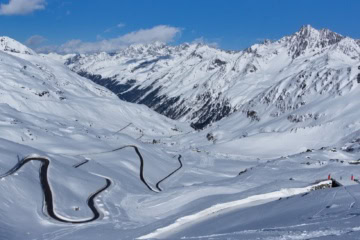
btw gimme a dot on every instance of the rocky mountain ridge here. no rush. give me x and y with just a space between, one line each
201 84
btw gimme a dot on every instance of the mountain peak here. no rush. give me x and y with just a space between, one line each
154 48
10 45
307 30
309 38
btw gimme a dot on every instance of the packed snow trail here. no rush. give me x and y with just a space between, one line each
158 184
255 200
48 197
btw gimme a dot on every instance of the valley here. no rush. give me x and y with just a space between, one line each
182 141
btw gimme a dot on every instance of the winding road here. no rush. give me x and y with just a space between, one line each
181 165
48 196
81 163
142 178
124 128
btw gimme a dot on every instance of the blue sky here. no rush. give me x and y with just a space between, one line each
232 24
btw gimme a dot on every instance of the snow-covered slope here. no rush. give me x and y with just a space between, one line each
327 214
53 115
10 45
40 86
201 84
314 104
78 163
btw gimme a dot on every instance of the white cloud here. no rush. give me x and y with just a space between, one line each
35 40
161 33
120 25
21 7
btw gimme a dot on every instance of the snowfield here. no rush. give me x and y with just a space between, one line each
79 163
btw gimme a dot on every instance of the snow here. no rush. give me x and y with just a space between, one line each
327 214
289 73
229 185
247 202
10 45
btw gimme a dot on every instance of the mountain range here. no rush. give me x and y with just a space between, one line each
200 84
182 142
